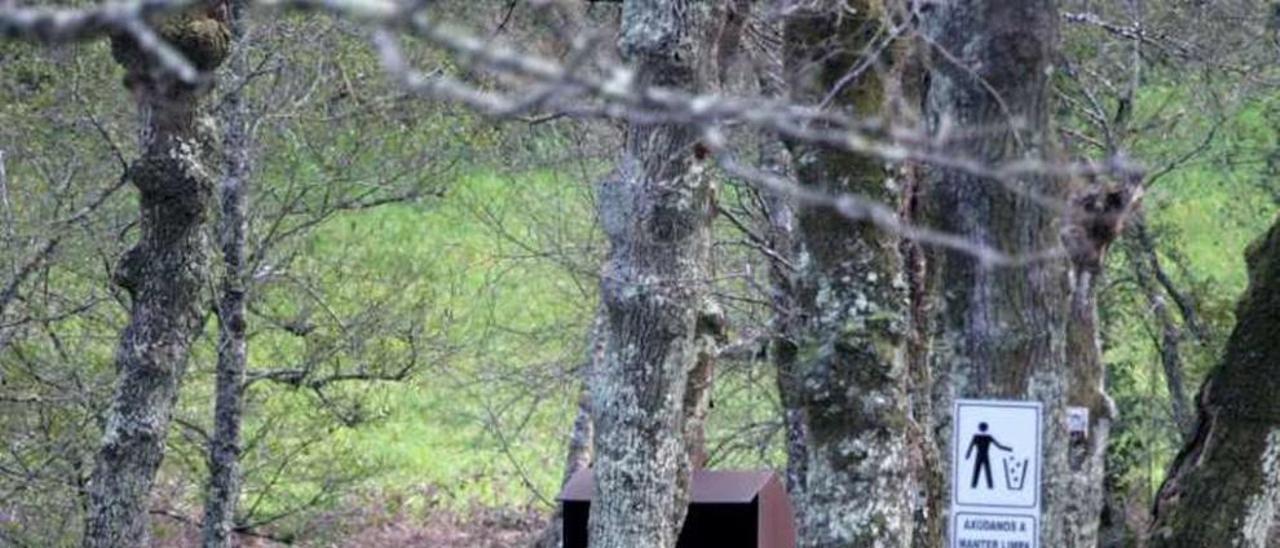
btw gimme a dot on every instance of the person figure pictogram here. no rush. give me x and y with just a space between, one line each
982 441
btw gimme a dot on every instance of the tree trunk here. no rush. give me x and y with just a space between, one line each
223 490
851 353
1095 217
997 331
1224 487
163 274
1087 451
656 211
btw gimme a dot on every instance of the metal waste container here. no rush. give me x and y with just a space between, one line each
722 505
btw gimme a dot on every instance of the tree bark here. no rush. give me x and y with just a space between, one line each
223 490
1083 506
656 212
997 331
851 353
1223 489
163 274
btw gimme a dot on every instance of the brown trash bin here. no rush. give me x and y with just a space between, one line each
723 504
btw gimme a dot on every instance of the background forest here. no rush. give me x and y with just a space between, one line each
421 278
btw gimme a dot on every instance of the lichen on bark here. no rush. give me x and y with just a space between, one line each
655 209
163 274
850 352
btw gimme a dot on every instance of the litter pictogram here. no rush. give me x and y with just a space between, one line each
995 473
1015 473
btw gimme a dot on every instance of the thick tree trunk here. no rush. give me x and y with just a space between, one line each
851 354
163 274
1224 487
656 211
223 490
997 331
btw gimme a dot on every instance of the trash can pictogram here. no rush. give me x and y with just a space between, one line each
1015 473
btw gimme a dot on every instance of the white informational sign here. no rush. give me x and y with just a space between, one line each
1078 422
995 474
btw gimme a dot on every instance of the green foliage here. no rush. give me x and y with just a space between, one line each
404 232
1203 214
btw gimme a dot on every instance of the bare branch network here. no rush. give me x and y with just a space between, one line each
570 89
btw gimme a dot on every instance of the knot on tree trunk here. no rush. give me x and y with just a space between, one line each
1096 216
173 182
174 189
200 34
128 273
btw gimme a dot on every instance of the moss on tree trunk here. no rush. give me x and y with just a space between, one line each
1224 487
851 361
